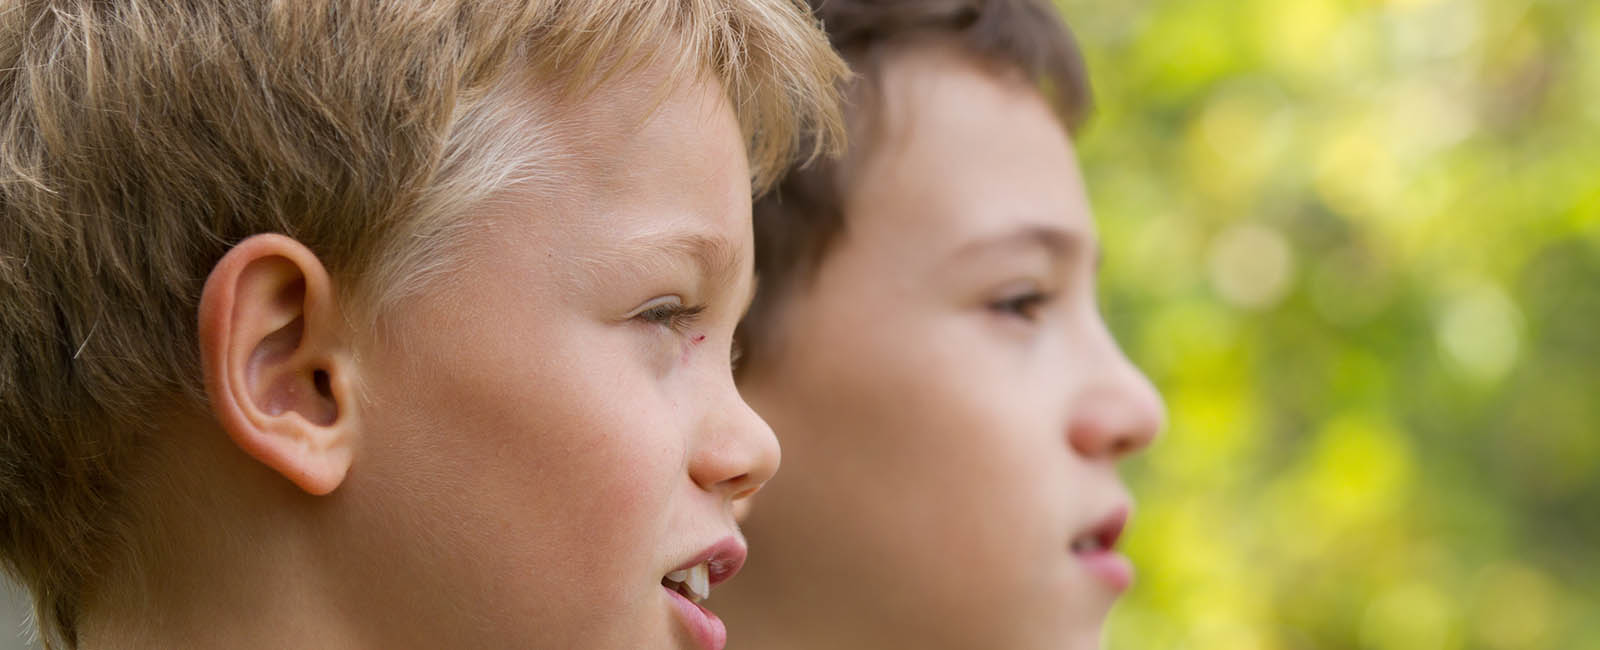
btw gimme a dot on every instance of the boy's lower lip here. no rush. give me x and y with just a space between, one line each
704 627
1112 568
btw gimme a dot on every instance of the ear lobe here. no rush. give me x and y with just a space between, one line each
277 368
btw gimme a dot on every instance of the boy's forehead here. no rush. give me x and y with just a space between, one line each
940 89
606 131
895 96
647 182
968 156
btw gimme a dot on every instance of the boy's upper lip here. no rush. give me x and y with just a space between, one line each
723 559
1108 528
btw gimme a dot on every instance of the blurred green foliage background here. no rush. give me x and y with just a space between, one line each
1357 245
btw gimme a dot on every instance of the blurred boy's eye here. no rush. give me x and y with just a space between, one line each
1024 305
670 313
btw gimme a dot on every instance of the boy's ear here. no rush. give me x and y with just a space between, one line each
277 365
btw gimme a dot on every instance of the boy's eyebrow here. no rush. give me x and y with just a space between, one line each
1058 242
716 257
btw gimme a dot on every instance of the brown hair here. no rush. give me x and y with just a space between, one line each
796 223
140 139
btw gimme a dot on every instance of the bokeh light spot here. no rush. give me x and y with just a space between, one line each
1411 616
1479 329
1251 266
1360 471
1512 607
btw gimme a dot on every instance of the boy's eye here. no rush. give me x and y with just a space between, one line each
1023 305
671 313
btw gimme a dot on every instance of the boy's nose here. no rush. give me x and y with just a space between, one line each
1117 412
737 452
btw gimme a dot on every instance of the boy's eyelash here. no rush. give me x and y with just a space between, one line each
676 316
1023 305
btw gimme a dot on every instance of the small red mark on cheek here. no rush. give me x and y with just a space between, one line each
689 346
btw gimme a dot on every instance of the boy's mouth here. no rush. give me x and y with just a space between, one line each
693 583
1096 548
708 568
1104 535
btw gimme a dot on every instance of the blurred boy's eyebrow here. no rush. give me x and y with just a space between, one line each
1060 243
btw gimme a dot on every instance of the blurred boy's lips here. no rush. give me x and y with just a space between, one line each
1096 548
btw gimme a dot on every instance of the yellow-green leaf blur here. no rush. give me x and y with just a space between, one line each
1357 245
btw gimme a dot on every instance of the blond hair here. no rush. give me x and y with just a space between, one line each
140 139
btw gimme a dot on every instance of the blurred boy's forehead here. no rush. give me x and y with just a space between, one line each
985 129
1011 181
937 79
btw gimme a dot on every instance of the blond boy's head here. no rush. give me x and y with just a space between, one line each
141 140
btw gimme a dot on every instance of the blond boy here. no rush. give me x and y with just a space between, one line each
360 324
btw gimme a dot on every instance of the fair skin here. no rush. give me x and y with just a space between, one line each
519 453
951 404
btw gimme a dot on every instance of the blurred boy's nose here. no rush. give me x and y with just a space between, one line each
1117 412
737 452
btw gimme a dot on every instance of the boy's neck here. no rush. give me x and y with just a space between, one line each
236 567
201 612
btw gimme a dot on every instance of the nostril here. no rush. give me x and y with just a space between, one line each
739 486
1121 447
747 489
1126 446
324 387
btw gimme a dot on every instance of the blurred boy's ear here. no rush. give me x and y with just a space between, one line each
277 365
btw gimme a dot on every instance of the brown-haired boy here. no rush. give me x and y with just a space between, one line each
927 346
361 324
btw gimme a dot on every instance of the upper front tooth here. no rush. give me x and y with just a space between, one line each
678 576
699 582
